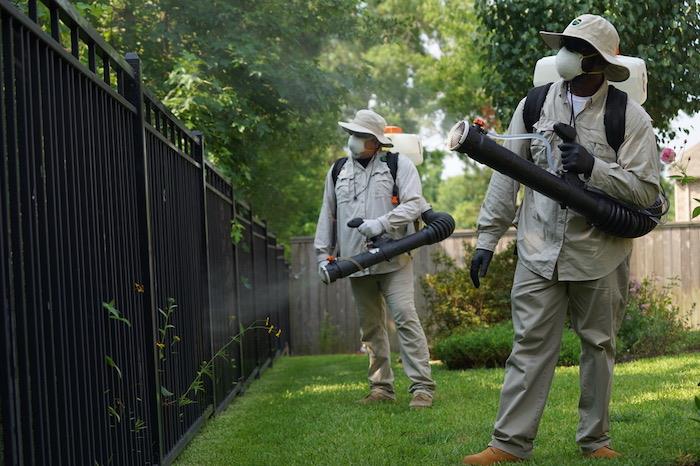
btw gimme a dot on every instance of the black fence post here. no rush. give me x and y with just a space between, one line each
134 93
12 428
256 290
237 288
199 156
269 293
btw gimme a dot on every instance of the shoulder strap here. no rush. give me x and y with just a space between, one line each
337 166
335 171
392 161
615 114
533 105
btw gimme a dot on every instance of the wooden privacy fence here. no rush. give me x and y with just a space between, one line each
118 274
323 318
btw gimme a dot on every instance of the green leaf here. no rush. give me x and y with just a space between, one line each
197 386
139 425
184 401
697 402
696 212
113 412
236 232
165 392
114 313
113 365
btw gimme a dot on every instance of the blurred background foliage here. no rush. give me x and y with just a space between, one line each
267 81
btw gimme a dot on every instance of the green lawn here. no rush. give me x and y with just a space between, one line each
303 412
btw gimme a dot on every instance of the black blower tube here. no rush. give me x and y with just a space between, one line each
439 226
603 212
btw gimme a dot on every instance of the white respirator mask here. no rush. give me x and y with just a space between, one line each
356 145
569 64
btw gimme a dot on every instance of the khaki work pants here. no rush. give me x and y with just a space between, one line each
539 309
395 289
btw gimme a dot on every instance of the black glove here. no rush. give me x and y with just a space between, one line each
480 265
576 159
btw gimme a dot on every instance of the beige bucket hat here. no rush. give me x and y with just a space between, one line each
368 122
598 32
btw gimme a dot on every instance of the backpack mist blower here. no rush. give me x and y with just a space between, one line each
600 210
439 226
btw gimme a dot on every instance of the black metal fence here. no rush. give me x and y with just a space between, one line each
119 275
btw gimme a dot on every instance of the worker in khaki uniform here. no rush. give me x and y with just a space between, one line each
564 263
363 189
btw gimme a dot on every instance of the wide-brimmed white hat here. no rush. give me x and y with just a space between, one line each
368 122
598 32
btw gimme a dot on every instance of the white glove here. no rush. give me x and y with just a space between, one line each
321 273
371 228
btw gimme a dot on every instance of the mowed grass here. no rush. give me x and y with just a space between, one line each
303 411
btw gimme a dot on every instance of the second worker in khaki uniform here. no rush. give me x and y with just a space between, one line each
364 189
565 264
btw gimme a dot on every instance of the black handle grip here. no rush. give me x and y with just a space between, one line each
355 222
567 133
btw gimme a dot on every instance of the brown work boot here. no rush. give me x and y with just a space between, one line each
604 453
376 396
491 456
421 400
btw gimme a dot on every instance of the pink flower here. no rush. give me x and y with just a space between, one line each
668 155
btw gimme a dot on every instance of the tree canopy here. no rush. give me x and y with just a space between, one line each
266 80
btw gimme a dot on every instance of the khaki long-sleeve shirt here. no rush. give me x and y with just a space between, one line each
366 193
548 236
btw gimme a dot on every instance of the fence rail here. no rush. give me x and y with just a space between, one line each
118 273
324 319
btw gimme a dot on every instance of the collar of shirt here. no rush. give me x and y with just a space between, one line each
370 165
597 98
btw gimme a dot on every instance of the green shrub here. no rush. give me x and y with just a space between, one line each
491 346
454 303
652 324
691 341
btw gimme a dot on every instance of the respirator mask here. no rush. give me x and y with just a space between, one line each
570 64
356 144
